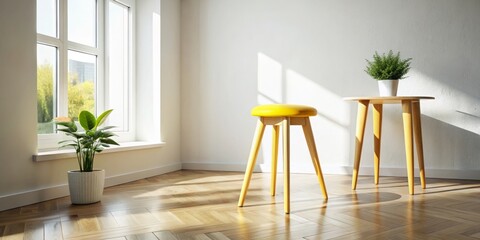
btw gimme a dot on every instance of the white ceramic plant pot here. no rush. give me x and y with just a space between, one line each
388 88
86 187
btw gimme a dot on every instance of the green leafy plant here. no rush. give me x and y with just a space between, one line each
88 142
388 67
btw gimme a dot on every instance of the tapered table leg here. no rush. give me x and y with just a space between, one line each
377 136
417 127
407 129
360 132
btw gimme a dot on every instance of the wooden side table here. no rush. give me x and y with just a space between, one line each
412 128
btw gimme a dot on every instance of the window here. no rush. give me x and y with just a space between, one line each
119 64
84 62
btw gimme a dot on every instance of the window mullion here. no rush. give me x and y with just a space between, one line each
47 40
62 103
83 48
101 78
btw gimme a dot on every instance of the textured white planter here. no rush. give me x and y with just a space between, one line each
86 187
388 88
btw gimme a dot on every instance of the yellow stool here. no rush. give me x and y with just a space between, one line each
285 115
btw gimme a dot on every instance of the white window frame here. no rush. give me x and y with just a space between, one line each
48 142
130 134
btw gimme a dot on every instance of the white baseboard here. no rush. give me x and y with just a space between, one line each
132 176
44 194
343 170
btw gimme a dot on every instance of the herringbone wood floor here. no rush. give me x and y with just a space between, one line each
202 205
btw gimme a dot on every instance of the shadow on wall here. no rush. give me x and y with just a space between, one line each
448 147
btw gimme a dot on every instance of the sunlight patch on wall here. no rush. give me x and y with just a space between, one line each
329 105
269 80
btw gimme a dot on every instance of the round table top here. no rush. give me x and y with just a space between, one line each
395 99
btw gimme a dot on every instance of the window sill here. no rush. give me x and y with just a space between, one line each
70 153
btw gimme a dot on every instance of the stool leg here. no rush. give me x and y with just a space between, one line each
275 135
417 127
377 136
286 163
361 120
251 160
307 130
407 129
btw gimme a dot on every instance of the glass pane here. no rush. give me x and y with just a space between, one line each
47 17
82 21
46 85
81 83
118 65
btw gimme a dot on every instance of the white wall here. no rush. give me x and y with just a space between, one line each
23 181
240 53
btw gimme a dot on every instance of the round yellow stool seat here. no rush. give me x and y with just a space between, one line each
283 110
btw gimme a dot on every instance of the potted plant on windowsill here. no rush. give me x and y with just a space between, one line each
86 184
388 69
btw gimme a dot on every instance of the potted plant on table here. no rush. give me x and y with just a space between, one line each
86 184
388 69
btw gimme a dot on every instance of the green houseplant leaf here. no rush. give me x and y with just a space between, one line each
87 143
71 126
388 66
101 119
87 120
